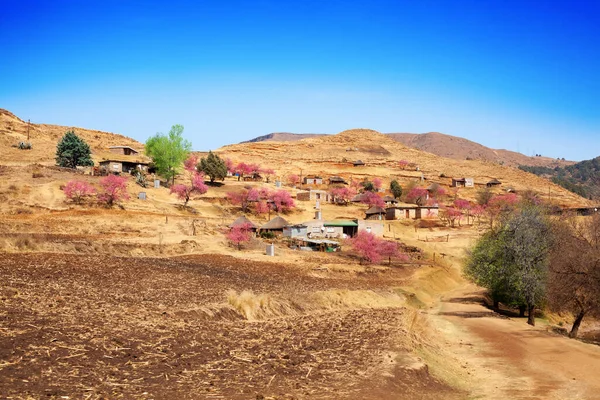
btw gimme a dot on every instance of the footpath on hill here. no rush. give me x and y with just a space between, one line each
507 359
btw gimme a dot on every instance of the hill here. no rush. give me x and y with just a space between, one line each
333 155
44 139
582 178
442 145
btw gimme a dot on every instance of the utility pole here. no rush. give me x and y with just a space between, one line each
28 124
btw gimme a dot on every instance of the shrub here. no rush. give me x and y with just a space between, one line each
77 191
114 189
267 235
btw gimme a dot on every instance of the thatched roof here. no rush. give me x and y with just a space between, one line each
243 220
375 210
358 162
276 223
337 179
494 182
389 199
358 198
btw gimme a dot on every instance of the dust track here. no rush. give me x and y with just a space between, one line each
508 359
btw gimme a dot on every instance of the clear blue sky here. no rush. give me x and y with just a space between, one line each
521 75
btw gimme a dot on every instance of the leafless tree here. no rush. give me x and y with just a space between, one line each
574 279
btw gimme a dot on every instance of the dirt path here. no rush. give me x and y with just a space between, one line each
505 358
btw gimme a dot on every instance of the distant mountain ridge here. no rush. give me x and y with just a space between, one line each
582 178
283 137
442 145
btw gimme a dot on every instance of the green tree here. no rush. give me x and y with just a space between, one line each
213 166
72 151
168 152
512 260
396 189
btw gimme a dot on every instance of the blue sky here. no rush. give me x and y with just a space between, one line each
521 75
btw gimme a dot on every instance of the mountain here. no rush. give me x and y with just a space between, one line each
44 139
443 145
283 137
328 155
582 178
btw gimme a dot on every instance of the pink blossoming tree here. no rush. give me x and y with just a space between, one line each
114 190
77 191
240 234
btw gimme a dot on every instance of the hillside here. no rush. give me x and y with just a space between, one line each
582 178
44 139
442 145
333 155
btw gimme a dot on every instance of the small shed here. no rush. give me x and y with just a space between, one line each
325 245
376 213
123 150
243 220
458 182
312 180
275 225
295 231
493 182
337 180
314 195
358 163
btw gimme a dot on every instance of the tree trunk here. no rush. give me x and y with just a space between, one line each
575 328
531 315
522 311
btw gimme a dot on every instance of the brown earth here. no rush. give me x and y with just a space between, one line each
108 327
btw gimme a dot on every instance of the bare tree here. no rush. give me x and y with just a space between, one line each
574 279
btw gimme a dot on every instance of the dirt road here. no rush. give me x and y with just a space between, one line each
504 358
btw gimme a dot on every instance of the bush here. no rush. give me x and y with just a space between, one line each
267 235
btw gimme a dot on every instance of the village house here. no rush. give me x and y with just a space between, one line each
336 180
463 182
312 180
358 163
123 150
314 195
389 200
375 213
493 182
117 166
411 211
372 226
275 226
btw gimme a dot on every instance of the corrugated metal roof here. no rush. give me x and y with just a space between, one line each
341 222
